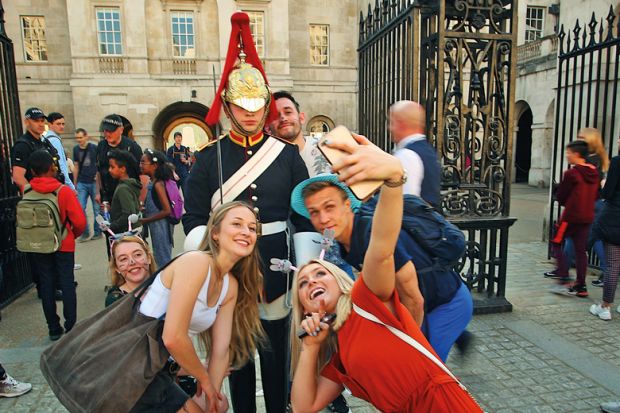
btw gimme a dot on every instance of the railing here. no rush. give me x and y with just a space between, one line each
544 46
111 65
184 66
15 275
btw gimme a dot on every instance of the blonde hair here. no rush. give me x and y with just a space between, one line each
343 310
115 275
247 331
593 138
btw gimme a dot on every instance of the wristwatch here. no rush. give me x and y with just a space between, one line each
396 184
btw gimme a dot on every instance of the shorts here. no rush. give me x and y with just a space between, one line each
163 395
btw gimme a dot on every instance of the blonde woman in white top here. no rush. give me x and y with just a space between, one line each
211 292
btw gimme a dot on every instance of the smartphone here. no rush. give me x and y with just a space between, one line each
361 190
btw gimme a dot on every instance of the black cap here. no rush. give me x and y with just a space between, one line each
111 122
34 113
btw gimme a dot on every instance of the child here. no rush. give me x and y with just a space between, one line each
57 268
577 193
157 206
125 200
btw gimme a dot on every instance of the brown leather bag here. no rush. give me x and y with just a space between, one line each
105 363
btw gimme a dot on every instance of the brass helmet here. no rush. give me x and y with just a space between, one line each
246 88
243 82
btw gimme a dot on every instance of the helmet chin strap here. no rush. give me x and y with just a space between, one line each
240 128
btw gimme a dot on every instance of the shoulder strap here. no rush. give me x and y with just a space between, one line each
409 340
249 172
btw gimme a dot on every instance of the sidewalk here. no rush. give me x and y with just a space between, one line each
548 355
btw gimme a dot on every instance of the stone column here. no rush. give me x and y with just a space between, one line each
540 169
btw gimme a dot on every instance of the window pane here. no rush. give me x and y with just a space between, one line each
34 41
319 44
109 31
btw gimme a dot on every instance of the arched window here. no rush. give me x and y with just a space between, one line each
319 125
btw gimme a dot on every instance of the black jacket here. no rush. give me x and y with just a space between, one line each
607 223
270 193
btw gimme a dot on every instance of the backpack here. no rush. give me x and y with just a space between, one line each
39 227
441 239
175 200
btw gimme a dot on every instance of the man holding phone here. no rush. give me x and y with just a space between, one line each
331 205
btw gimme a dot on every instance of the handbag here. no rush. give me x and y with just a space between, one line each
105 363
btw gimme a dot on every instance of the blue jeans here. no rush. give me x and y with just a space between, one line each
447 322
597 247
85 191
56 269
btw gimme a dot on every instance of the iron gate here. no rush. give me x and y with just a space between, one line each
587 91
15 275
457 58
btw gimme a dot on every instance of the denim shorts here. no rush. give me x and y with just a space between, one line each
163 395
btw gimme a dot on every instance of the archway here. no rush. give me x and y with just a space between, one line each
319 125
185 117
523 152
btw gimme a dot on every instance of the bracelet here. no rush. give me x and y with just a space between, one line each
396 184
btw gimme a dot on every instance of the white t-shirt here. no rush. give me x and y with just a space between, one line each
313 158
412 163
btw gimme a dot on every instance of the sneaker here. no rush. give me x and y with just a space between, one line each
552 274
9 387
611 407
578 290
56 334
602 312
96 236
83 239
618 309
339 405
598 283
77 267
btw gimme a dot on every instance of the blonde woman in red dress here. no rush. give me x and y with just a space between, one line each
364 355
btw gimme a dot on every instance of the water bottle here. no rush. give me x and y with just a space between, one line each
106 211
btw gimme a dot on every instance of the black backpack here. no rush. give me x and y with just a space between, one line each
441 239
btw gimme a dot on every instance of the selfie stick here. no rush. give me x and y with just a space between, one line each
217 144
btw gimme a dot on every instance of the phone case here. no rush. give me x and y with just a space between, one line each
361 190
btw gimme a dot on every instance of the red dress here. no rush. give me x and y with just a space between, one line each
382 369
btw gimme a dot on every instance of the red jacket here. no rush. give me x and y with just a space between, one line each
578 192
70 209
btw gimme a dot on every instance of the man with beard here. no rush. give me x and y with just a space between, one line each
261 170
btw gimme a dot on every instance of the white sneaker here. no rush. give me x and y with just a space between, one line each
602 312
10 387
618 309
77 267
611 407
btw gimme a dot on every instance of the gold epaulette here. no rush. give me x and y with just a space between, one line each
209 143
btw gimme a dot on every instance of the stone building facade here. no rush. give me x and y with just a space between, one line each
154 61
538 76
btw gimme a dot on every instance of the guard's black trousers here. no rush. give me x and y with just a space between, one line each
274 365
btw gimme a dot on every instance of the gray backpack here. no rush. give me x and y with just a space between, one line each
39 227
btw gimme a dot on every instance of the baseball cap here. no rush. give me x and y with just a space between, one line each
34 113
111 123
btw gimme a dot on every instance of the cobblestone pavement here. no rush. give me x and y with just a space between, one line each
548 355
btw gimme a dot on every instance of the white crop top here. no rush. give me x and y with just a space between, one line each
155 304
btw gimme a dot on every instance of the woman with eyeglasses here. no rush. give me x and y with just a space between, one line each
210 293
130 264
157 205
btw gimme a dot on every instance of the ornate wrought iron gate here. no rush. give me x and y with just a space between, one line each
457 58
587 90
15 274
